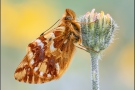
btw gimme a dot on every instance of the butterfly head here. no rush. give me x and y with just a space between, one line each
69 15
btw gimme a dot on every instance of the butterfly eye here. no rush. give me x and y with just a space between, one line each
68 18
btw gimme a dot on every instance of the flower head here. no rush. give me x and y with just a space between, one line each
97 30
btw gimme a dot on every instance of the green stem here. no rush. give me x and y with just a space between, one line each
94 70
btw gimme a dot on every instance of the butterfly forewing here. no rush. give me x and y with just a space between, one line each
47 58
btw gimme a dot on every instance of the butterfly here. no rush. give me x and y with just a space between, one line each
49 56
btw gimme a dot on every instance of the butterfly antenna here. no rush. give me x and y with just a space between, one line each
49 28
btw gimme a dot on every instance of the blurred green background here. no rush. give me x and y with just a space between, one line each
25 20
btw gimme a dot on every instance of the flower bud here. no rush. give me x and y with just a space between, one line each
97 30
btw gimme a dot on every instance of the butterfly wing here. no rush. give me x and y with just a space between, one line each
47 58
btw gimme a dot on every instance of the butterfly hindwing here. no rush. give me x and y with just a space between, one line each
47 58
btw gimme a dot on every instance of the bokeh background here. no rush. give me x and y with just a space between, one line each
25 20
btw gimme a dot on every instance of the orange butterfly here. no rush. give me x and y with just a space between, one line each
50 54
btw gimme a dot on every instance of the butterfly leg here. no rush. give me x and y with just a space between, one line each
85 48
82 48
87 23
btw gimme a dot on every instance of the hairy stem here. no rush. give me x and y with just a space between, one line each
94 70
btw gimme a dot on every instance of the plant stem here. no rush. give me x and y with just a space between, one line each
94 70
